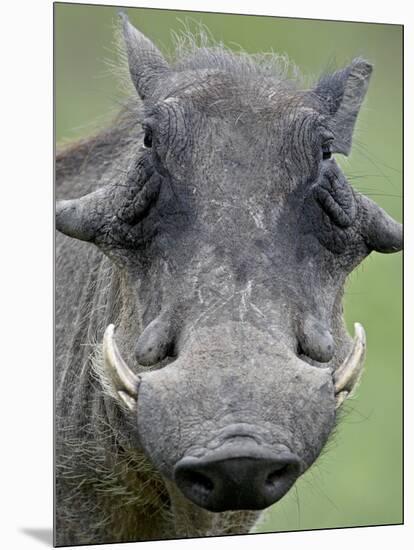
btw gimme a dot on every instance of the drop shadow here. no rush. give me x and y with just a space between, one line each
44 535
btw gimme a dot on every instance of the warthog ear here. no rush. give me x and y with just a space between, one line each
344 92
147 66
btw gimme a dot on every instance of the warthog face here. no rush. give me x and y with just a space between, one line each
233 230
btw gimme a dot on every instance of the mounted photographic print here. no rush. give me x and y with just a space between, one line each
228 284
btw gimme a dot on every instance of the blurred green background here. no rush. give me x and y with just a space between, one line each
358 478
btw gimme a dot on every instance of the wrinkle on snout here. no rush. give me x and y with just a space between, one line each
260 434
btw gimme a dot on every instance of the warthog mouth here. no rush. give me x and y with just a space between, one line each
237 469
126 382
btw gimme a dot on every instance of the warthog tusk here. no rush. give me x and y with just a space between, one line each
348 374
128 382
340 398
129 401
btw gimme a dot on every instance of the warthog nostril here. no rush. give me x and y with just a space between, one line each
197 482
277 474
237 477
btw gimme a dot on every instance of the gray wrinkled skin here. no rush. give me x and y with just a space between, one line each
220 254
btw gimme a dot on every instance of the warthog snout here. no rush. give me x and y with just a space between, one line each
240 476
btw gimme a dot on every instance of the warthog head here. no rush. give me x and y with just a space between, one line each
233 230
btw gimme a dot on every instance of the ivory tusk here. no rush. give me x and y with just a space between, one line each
348 374
128 381
129 401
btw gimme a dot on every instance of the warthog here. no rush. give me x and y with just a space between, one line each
204 242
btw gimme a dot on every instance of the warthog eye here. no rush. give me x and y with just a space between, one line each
147 136
326 150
